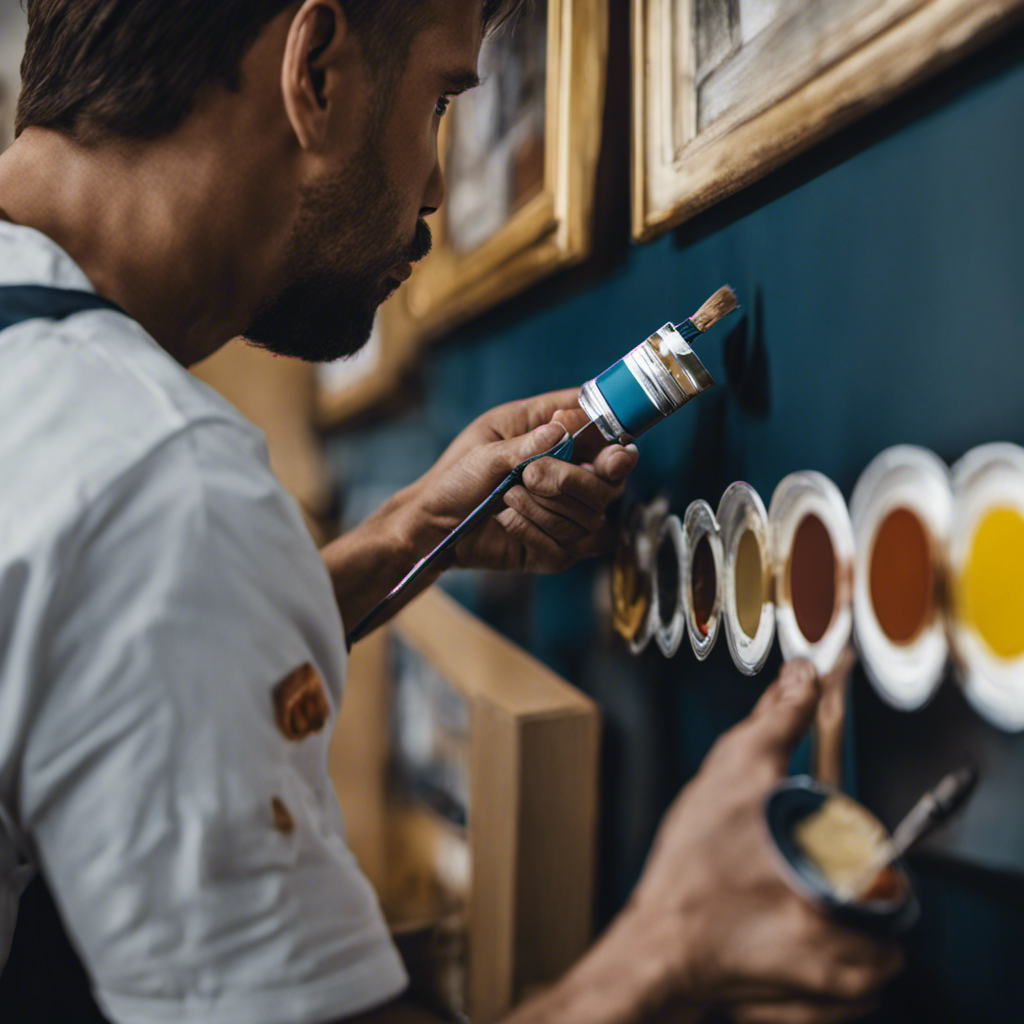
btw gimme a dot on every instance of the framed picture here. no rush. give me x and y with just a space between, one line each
520 156
727 90
467 772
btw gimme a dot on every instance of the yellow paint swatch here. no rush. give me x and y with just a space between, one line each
992 583
749 583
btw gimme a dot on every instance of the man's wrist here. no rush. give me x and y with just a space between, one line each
630 975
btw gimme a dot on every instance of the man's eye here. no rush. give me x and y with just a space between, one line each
442 105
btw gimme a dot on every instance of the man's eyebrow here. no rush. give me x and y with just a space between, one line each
460 81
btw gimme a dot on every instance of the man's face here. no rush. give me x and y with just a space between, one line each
361 227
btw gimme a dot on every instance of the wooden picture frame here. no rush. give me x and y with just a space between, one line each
530 840
703 131
553 229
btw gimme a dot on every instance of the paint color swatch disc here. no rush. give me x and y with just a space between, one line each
702 574
748 611
901 510
812 564
670 620
986 556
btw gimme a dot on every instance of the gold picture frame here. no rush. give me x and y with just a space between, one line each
517 879
704 130
553 229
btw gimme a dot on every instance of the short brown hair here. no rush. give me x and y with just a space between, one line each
132 68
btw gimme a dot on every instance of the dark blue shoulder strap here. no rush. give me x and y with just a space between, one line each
21 302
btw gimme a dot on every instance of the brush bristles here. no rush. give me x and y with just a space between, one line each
722 303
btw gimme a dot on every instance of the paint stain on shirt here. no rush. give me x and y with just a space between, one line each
283 820
300 703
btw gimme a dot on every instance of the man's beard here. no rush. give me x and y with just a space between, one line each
346 239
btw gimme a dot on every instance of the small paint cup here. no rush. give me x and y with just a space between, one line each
789 804
633 593
748 612
812 568
702 575
669 600
986 564
901 511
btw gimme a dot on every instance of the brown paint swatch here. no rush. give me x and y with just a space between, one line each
902 580
703 583
812 578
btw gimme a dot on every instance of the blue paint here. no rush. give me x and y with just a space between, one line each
633 409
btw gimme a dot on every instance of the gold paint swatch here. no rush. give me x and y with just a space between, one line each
991 593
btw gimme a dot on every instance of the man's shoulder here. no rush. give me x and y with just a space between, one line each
92 404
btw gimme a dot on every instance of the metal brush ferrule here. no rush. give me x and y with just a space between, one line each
656 379
596 406
640 390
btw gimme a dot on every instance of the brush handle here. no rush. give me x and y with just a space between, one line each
563 451
934 808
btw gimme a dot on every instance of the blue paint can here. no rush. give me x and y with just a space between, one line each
658 377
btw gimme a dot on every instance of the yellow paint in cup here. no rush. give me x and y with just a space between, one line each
991 591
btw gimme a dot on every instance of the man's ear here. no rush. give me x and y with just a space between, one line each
320 50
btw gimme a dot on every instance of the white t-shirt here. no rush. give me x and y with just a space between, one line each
156 585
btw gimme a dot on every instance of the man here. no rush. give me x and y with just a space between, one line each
172 650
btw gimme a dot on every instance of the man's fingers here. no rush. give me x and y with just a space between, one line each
562 507
551 478
784 712
561 528
541 553
506 455
571 419
840 674
616 462
797 1012
526 414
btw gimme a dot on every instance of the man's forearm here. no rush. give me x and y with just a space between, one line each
368 561
625 978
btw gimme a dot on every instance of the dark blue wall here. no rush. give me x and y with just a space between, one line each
882 278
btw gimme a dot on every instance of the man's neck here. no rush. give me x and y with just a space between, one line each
161 228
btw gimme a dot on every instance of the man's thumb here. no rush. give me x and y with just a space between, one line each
785 710
536 442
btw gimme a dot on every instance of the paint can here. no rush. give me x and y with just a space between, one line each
650 383
633 584
669 599
901 511
702 577
790 804
986 566
812 568
748 612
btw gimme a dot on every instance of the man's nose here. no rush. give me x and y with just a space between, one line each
434 196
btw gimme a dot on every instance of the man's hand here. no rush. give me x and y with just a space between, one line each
712 925
556 516
738 937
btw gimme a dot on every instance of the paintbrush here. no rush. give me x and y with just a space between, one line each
654 380
935 808
721 304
